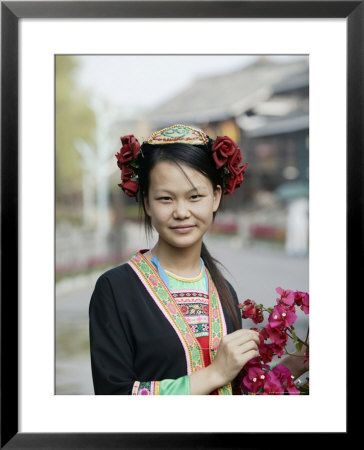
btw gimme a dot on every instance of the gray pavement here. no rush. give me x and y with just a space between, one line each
254 272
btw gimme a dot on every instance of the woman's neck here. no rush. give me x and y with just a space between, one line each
184 262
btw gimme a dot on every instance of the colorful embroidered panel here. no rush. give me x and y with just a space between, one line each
195 308
146 388
167 303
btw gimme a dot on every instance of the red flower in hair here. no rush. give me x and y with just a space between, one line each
226 153
130 188
234 182
127 155
233 163
129 150
223 150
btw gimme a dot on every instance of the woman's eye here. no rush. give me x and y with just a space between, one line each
164 199
195 197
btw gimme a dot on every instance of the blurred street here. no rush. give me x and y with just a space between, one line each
255 272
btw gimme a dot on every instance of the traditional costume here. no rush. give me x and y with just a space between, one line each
150 329
148 332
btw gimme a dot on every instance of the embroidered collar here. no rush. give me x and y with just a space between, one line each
164 274
149 276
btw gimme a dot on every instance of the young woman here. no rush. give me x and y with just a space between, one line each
167 322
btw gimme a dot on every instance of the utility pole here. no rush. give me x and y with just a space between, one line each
96 168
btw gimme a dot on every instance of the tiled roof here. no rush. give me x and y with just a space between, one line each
231 94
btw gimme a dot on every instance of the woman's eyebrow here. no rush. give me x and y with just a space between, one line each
157 191
194 189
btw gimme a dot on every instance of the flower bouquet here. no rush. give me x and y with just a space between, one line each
257 376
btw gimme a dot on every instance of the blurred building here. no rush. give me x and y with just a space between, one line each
264 107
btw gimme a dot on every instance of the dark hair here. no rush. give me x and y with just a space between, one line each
200 159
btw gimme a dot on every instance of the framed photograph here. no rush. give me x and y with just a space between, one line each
330 34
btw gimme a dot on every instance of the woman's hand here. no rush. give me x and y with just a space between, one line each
235 350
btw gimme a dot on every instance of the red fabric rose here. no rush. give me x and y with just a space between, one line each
234 182
233 163
128 185
227 153
126 173
128 151
223 149
130 188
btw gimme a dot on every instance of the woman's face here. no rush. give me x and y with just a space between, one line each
180 204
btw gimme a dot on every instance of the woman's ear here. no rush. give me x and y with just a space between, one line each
217 198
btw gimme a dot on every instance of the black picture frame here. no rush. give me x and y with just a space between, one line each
11 12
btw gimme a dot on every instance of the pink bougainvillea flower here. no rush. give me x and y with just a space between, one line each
286 379
258 318
265 332
247 308
278 349
292 388
305 304
254 378
277 335
287 296
282 372
273 386
289 308
281 317
266 352
302 300
298 298
250 310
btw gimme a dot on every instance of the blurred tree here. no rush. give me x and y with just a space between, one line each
74 120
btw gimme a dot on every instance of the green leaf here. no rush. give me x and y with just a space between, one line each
299 346
294 336
134 164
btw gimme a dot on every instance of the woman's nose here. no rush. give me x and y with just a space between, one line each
181 211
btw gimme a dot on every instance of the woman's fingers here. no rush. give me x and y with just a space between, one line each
239 337
235 350
247 346
242 347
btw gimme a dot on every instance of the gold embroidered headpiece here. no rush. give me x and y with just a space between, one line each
178 133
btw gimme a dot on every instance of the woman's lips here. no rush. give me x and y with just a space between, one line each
183 229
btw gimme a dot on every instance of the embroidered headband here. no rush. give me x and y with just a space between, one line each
225 152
